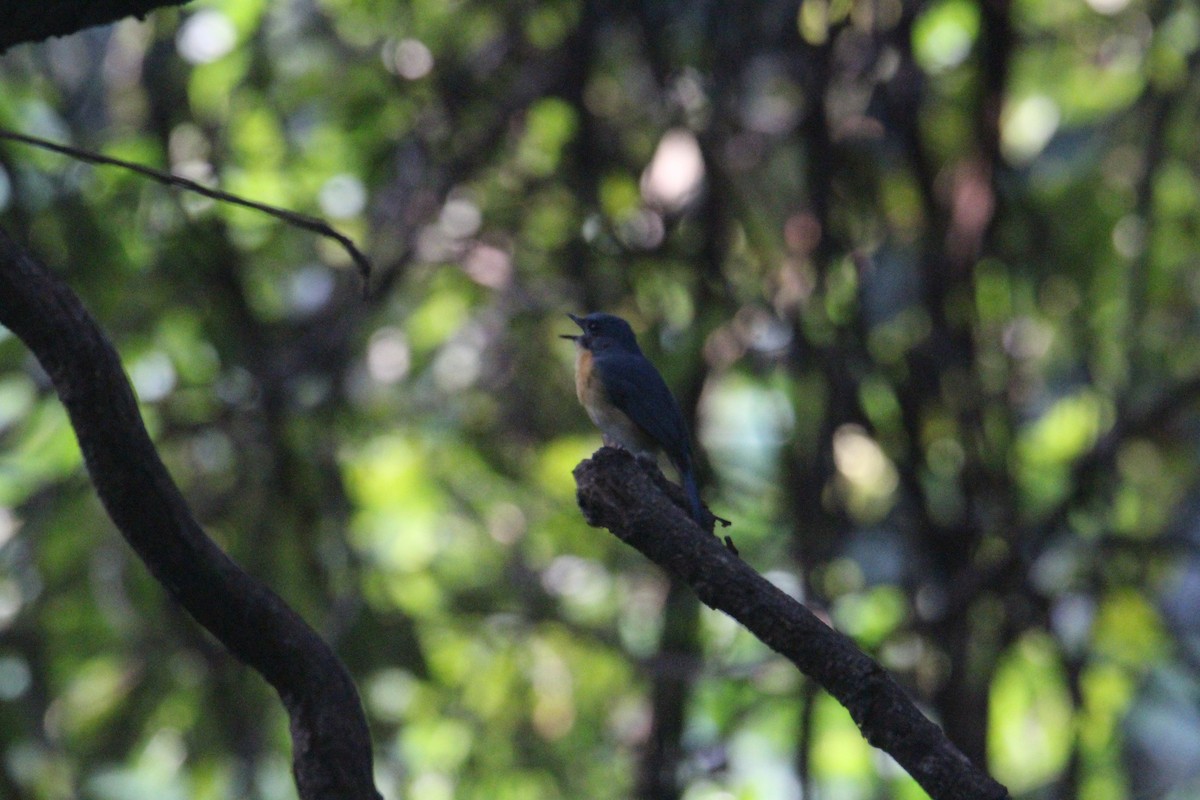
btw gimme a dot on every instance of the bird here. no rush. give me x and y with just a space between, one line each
628 400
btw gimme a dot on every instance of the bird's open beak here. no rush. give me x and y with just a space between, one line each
572 336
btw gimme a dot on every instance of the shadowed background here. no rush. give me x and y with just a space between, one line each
922 275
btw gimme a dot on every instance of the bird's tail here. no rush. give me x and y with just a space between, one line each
693 492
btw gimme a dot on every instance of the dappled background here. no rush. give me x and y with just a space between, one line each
923 275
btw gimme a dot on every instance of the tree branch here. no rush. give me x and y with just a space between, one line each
308 223
22 21
643 509
331 743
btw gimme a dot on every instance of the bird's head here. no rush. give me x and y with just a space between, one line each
604 332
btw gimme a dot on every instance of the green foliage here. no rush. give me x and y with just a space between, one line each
1031 724
928 297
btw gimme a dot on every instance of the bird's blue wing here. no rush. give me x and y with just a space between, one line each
635 387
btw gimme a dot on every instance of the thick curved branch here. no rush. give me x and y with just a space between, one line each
331 743
635 502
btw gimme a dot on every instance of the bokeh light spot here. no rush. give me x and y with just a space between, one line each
205 36
343 196
673 177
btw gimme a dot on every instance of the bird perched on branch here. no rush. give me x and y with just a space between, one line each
628 400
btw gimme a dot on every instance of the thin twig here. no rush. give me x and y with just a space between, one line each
318 226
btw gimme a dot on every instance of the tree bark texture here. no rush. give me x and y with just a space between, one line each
331 744
633 500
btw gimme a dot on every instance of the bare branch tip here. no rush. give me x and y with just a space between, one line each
309 223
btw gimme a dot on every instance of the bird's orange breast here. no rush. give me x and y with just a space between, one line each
587 383
616 426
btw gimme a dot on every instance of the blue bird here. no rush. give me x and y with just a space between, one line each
628 400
